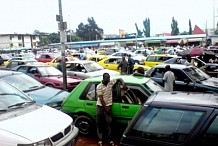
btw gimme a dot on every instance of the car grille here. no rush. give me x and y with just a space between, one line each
61 135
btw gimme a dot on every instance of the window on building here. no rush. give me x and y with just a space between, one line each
34 37
20 45
19 37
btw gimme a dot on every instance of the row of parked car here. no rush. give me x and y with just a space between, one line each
80 102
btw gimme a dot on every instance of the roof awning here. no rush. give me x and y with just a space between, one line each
195 40
172 41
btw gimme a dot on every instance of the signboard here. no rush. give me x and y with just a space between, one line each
63 36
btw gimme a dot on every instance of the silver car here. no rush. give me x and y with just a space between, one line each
84 69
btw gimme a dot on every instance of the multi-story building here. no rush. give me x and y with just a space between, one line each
15 40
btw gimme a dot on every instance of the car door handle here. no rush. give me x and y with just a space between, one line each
125 106
75 74
89 103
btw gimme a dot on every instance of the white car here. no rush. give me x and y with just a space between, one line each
139 59
23 122
85 68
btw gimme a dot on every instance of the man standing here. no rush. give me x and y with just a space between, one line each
123 65
131 63
103 109
168 79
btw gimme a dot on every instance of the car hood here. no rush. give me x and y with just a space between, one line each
48 94
59 79
211 82
101 72
33 126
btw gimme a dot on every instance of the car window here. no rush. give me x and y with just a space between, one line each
210 137
91 94
151 58
179 75
112 61
154 124
158 73
22 69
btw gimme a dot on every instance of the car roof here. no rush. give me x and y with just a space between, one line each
185 98
163 55
8 72
175 66
36 65
126 78
80 61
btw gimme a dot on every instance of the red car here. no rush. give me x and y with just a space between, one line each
48 75
46 57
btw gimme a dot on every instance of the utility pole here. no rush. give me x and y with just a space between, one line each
62 26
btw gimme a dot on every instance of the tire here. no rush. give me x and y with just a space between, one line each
84 124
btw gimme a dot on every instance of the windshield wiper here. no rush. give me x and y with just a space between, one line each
20 104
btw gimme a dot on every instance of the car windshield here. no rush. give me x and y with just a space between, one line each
10 96
49 71
196 74
153 86
92 66
23 82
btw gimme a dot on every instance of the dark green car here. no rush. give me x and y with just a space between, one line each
81 103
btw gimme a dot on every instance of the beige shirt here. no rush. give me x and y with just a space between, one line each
106 92
169 79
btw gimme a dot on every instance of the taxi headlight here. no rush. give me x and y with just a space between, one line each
45 142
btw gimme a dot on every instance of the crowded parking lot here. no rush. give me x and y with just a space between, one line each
43 83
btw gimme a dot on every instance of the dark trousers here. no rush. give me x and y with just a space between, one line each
104 124
131 69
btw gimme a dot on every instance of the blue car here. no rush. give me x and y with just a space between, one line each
40 93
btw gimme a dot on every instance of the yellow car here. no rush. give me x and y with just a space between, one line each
55 61
96 57
156 59
113 61
17 58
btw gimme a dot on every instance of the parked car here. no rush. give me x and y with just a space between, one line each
55 61
27 123
84 69
14 63
139 59
4 58
48 75
96 57
81 103
112 63
188 78
210 68
39 92
156 59
46 57
175 119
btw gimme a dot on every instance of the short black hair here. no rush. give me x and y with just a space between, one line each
105 75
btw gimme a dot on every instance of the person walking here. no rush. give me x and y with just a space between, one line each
59 65
131 64
124 66
168 79
103 108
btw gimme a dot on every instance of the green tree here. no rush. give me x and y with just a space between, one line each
190 27
174 27
139 32
54 37
146 29
90 31
43 38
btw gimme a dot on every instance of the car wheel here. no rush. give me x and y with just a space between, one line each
84 124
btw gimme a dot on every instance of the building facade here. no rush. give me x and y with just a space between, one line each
8 41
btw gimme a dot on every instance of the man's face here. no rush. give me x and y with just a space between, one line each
107 79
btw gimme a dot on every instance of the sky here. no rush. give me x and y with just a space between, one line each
25 16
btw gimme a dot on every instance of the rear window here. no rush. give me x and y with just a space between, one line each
154 124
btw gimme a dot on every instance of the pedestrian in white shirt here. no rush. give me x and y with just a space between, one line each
168 79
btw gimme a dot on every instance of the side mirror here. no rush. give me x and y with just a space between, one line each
37 75
186 80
